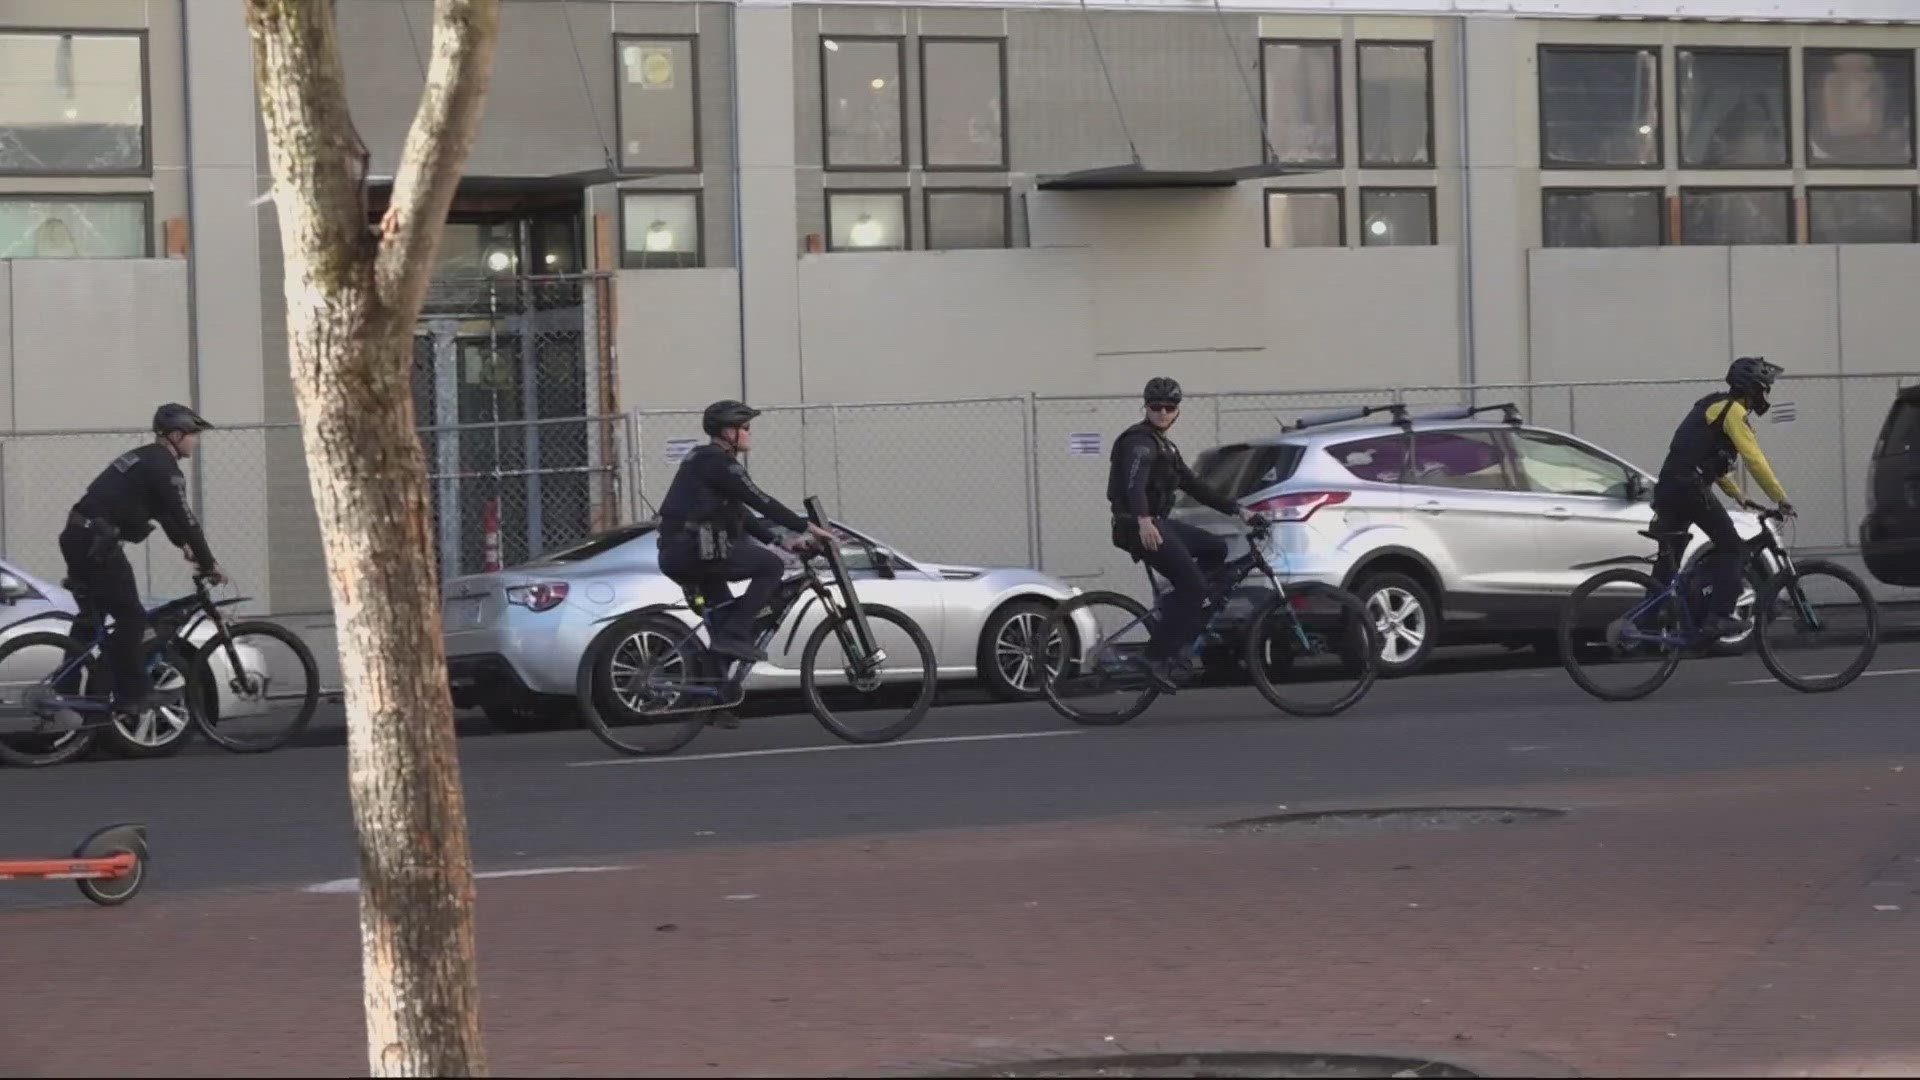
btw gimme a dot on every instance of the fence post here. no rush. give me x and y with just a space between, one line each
1039 521
1026 483
839 496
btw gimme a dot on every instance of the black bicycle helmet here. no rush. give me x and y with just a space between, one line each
173 417
725 414
1752 374
1161 391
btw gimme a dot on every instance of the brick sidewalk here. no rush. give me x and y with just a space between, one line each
1725 924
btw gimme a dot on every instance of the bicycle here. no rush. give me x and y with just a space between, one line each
225 684
1301 636
1665 621
646 686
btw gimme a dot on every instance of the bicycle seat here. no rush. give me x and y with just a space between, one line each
1666 536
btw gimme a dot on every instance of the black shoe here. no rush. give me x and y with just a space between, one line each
1727 626
737 648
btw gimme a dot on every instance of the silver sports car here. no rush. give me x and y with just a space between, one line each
515 638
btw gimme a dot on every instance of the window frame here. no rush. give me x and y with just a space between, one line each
1793 211
1659 193
905 195
1266 214
1659 162
146 101
1403 437
1509 461
1360 47
1785 55
899 42
627 262
144 198
621 166
926 215
1433 211
1806 107
1339 159
926 140
1912 193
1517 455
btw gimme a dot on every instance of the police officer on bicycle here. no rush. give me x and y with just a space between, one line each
704 513
1145 474
138 488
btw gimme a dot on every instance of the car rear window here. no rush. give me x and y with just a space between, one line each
1381 459
1901 434
597 544
1241 469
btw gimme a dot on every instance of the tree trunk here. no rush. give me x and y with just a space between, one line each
353 293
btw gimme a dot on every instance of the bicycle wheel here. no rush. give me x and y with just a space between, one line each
1619 635
909 676
1312 652
1817 627
638 685
264 705
1102 680
27 663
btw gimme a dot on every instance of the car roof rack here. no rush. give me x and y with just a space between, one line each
1468 412
1342 416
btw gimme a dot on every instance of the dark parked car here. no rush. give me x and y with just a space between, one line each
1890 536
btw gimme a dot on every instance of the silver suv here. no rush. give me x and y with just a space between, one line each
1451 528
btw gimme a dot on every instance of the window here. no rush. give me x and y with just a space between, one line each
75 227
1859 107
1396 105
1736 216
1599 108
1860 215
1900 435
1396 217
660 230
1297 219
1473 460
1558 467
1241 469
1733 109
966 219
1302 101
1604 217
963 107
658 105
866 221
73 104
1381 460
863 111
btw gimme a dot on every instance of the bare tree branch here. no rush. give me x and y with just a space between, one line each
465 33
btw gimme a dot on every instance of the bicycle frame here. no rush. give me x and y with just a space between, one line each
1227 578
1680 585
169 621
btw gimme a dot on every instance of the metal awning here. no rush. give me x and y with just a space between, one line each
1136 177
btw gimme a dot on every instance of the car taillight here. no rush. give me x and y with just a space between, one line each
1298 505
542 596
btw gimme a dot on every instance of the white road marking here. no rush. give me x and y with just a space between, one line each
818 749
1864 675
348 884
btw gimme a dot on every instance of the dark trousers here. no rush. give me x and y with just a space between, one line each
1680 502
1187 556
680 560
102 583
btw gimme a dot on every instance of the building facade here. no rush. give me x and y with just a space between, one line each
670 202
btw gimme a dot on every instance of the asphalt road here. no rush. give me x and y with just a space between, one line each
560 798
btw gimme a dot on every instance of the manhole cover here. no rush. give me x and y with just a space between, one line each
1392 819
1223 1065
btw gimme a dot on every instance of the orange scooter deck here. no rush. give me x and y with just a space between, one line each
109 866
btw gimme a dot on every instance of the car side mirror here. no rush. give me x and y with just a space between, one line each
882 562
12 589
1636 487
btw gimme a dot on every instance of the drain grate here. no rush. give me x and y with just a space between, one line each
1223 1065
1391 819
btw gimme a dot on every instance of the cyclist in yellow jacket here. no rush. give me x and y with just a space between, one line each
1718 431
